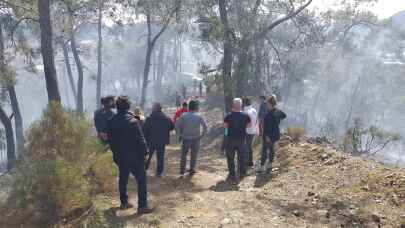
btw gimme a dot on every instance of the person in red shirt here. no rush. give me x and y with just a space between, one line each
180 111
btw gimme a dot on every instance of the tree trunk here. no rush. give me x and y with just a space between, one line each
8 127
47 51
99 54
80 106
18 120
241 74
228 57
159 71
146 75
69 71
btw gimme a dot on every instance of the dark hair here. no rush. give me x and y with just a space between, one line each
123 103
185 104
105 100
193 105
157 107
247 102
262 97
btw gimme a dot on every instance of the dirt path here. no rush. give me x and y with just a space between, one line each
310 187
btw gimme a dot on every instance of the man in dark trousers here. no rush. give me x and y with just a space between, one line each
235 124
188 129
157 129
102 115
129 150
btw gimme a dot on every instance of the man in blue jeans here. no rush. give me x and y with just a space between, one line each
129 150
188 129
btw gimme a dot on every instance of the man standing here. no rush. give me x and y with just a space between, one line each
102 115
271 131
263 110
178 100
251 131
129 150
188 129
157 129
180 112
235 125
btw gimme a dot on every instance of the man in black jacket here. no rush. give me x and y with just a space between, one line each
129 150
102 115
157 129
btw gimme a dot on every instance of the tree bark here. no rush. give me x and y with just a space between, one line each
228 57
150 45
69 71
8 127
18 120
47 51
80 105
99 54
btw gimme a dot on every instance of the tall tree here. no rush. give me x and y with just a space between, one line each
99 53
151 7
47 51
4 118
228 56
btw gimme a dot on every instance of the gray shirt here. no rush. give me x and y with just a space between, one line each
188 126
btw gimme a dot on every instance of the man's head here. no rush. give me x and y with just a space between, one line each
272 101
262 98
247 102
184 105
108 102
123 103
137 111
193 106
237 104
157 107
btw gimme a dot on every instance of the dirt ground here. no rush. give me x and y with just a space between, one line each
310 186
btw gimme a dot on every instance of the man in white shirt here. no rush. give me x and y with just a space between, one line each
251 131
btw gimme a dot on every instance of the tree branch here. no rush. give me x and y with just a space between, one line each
290 15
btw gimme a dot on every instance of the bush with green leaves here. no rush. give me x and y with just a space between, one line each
64 166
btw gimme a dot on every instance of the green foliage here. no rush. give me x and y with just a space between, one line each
63 167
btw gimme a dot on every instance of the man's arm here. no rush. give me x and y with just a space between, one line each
140 138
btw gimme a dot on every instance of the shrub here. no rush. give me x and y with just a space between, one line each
63 167
362 140
296 133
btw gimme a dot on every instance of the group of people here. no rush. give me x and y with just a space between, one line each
242 125
134 139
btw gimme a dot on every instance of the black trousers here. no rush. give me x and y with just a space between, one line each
267 152
233 147
138 171
160 157
249 149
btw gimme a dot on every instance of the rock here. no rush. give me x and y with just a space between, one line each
226 221
323 213
297 213
324 156
376 218
311 194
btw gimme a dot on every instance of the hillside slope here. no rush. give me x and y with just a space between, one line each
311 186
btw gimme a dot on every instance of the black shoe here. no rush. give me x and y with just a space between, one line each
145 210
125 206
192 173
159 175
250 164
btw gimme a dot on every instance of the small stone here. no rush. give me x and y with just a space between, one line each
311 194
226 221
297 213
323 213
